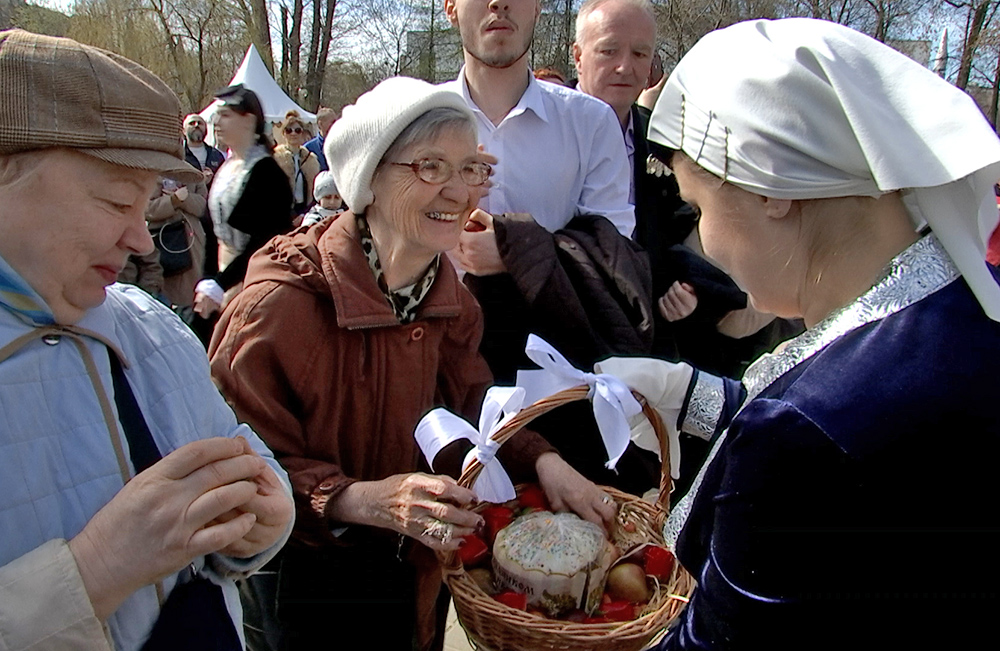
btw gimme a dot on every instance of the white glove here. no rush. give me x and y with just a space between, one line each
664 385
210 288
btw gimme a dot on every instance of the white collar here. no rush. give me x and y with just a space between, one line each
531 99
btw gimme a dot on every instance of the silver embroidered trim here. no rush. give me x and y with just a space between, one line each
705 407
913 275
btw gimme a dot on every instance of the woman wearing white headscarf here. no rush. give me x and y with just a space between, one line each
850 502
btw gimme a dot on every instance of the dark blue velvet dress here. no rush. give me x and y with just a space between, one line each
854 502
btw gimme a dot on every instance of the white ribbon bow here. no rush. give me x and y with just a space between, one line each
613 401
441 427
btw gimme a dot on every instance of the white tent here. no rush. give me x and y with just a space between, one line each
253 74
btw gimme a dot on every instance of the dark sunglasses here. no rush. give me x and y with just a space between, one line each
293 129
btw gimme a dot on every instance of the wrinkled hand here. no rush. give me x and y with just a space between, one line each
273 508
568 490
679 302
664 385
477 251
165 517
412 504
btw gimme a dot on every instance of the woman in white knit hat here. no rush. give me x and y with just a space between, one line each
345 334
853 470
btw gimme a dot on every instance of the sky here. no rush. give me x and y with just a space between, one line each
59 5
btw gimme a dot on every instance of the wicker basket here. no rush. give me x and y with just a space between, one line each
493 626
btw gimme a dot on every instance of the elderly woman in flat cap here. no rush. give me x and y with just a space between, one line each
130 497
346 333
851 501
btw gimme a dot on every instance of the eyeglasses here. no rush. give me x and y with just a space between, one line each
291 130
437 171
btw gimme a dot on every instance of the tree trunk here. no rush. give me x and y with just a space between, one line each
314 82
976 24
996 94
260 32
313 56
431 75
283 82
568 38
202 72
295 51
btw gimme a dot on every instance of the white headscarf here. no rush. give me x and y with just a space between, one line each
808 109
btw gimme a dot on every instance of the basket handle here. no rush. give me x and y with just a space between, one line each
566 396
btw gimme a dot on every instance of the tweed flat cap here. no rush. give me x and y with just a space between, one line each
55 92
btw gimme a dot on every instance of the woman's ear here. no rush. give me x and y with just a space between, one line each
777 208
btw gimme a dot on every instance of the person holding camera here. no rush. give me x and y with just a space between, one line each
131 498
174 220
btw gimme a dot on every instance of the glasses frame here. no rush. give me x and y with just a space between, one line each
291 130
415 167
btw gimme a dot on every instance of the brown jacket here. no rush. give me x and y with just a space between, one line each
165 209
311 355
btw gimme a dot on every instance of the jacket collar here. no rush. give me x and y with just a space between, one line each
356 295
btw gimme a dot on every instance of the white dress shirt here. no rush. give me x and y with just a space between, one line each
561 154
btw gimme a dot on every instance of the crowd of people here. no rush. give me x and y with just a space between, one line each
782 245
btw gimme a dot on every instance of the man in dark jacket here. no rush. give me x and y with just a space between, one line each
703 320
325 118
613 53
199 154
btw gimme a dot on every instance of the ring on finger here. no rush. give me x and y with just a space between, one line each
607 500
440 530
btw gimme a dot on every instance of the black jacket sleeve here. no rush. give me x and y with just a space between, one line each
588 287
263 211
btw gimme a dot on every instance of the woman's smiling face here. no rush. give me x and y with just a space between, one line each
427 218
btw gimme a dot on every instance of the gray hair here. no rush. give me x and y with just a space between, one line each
429 126
590 6
16 168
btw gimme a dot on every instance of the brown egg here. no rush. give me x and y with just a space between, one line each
627 581
483 578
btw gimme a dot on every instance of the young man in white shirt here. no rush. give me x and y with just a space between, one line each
560 152
550 250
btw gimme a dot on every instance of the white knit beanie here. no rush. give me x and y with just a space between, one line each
358 140
324 185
